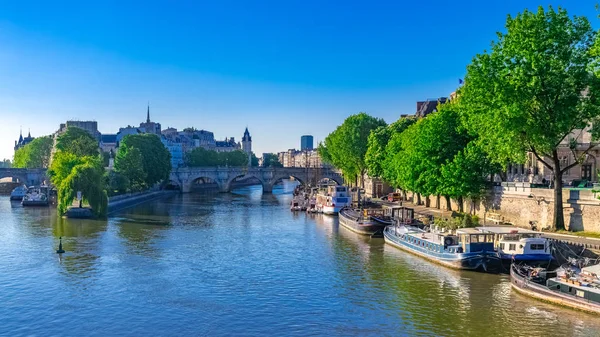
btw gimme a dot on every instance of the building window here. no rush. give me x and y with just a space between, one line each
564 161
586 172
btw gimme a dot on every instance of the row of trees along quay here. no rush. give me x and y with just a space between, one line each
78 165
537 84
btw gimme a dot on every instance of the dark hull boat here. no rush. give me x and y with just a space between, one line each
356 222
444 249
574 291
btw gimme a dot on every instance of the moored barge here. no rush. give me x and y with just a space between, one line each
468 249
360 223
570 287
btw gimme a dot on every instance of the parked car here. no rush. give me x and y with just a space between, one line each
393 197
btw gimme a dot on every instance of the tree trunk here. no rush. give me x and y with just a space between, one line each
362 179
461 207
448 203
559 216
418 198
427 204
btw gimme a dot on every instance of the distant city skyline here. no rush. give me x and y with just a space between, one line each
282 69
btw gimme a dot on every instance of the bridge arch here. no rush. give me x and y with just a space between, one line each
24 176
230 180
196 182
328 179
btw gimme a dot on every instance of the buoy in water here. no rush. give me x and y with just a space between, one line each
60 249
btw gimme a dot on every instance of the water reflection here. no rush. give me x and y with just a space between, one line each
243 264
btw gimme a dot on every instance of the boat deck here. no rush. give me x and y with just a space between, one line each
425 236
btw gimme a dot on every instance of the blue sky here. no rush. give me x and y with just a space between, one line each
282 68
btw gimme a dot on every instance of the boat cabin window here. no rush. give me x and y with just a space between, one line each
538 246
480 238
501 246
340 189
512 246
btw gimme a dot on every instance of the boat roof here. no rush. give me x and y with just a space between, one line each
592 269
506 230
469 231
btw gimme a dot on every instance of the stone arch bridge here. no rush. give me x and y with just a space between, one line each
185 177
25 176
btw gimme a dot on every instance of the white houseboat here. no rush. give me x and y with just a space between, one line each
520 245
332 199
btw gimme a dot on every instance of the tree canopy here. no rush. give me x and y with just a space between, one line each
156 159
271 160
532 90
36 154
346 146
377 143
130 164
78 142
71 173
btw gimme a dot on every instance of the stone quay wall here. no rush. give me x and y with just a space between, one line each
520 204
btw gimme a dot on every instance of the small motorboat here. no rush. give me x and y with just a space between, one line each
36 196
18 193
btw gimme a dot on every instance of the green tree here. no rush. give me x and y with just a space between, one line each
22 157
78 142
129 163
156 159
71 173
201 157
234 158
437 156
254 162
36 154
532 90
271 160
376 155
118 183
346 146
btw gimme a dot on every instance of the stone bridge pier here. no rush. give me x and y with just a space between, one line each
223 177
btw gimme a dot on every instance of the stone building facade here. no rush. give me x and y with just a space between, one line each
296 158
535 172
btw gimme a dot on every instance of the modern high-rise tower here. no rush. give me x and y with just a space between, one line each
306 143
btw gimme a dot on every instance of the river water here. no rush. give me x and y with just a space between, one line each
243 264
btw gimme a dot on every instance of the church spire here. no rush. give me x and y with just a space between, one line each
20 134
148 114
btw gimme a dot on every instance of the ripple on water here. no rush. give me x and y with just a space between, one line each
243 264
